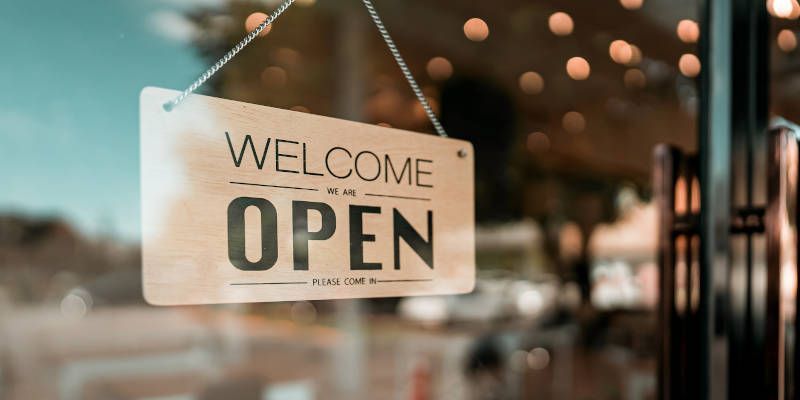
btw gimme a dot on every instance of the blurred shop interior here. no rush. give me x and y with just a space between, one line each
564 101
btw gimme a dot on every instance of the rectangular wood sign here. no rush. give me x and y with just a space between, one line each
246 203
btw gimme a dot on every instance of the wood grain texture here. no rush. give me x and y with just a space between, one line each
189 177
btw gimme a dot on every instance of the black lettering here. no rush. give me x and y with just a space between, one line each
357 237
248 139
328 164
404 230
236 232
278 155
421 172
377 163
301 234
305 160
389 166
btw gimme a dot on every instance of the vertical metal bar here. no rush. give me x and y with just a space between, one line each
773 346
664 198
715 159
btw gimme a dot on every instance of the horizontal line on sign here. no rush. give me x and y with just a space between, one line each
403 280
268 283
397 197
274 186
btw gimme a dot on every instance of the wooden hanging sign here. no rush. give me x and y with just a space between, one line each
246 203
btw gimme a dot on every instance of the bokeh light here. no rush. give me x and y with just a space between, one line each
476 29
578 68
538 358
439 68
301 109
573 122
634 79
531 83
636 55
688 31
689 65
787 40
274 76
783 8
620 51
631 4
537 142
254 20
560 23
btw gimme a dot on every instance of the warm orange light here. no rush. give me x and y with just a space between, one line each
286 56
419 112
301 109
578 68
688 31
537 142
636 55
689 65
254 20
635 78
274 76
780 8
439 68
788 9
476 29
631 4
560 23
787 40
620 51
573 122
531 83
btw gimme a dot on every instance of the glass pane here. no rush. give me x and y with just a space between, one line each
564 102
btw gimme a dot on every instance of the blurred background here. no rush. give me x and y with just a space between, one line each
564 101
